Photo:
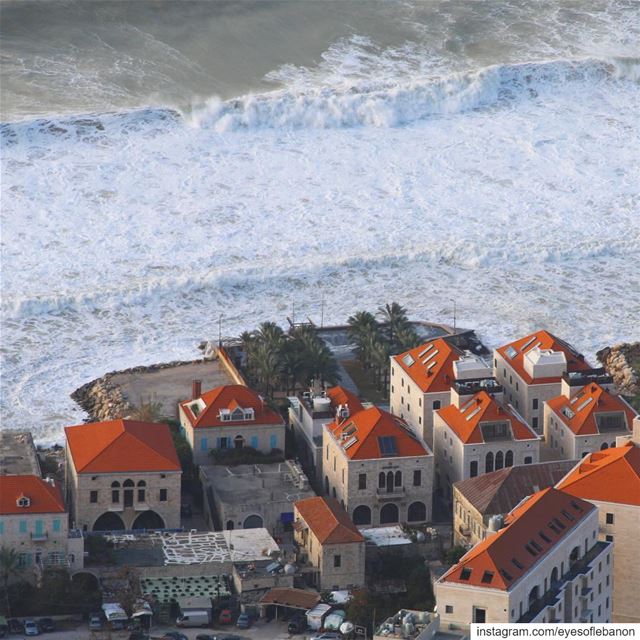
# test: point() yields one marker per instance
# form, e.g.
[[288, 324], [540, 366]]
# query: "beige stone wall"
[[569, 446], [456, 602], [468, 524], [624, 532], [202, 440], [85, 513], [342, 476]]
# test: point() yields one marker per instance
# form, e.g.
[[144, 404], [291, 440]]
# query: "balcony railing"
[[40, 536], [390, 493]]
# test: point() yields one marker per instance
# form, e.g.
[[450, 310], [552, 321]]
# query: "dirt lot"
[[167, 386]]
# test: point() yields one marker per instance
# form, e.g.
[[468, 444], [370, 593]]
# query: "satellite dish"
[[346, 627]]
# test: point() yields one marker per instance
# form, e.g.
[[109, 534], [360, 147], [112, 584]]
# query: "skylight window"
[[465, 574], [350, 442], [349, 429], [516, 563], [430, 346], [531, 550], [487, 577], [511, 352], [558, 523], [475, 412], [433, 354], [408, 359], [567, 413], [576, 506], [567, 515], [544, 536], [506, 575], [553, 527], [527, 343], [23, 502], [431, 365], [387, 446], [584, 404], [535, 545]]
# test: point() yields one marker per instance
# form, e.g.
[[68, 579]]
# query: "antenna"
[[454, 316], [220, 330], [322, 310]]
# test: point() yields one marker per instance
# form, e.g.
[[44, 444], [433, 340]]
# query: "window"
[[417, 478], [487, 577], [337, 561], [473, 469], [488, 465], [23, 526], [535, 403], [254, 442], [534, 422], [362, 481], [141, 495], [398, 479], [1, 528], [381, 480], [448, 608], [327, 452], [436, 404], [528, 459], [163, 495], [203, 444], [465, 574], [93, 497], [607, 581], [609, 518], [273, 441], [609, 538], [115, 496]]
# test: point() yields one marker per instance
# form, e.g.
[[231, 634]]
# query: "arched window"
[[141, 490], [554, 576], [115, 492], [238, 442], [128, 493], [499, 460], [230, 525], [574, 555], [533, 596], [142, 483], [115, 484], [417, 512], [381, 480], [333, 492], [389, 481], [508, 459], [362, 515], [326, 484], [473, 469], [389, 514], [488, 464], [398, 479], [604, 446], [253, 522], [128, 483]]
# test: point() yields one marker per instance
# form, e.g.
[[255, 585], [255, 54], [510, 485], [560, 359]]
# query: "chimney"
[[196, 389]]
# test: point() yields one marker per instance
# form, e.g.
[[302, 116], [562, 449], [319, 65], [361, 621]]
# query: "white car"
[[31, 628]]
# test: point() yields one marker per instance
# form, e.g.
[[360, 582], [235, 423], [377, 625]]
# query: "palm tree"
[[267, 367], [149, 411], [270, 333], [395, 318], [407, 338], [9, 566], [360, 323]]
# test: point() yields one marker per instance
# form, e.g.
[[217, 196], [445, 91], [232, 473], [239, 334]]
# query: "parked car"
[[31, 628], [174, 635], [327, 635], [225, 617], [297, 624], [95, 622], [46, 625], [243, 621]]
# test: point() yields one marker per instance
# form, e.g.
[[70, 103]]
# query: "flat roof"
[[18, 455], [257, 484]]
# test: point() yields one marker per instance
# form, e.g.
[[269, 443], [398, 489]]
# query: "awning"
[[293, 598]]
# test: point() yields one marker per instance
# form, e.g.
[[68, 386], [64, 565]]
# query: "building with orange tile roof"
[[229, 417], [588, 420], [330, 543], [34, 522], [421, 381], [122, 474], [308, 413], [479, 436], [531, 370], [610, 480], [379, 470], [544, 565]]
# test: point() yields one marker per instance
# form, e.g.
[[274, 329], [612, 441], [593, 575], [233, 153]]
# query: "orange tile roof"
[[121, 446], [612, 475], [44, 497], [339, 395], [544, 340], [466, 421], [359, 435], [500, 560], [329, 522], [579, 413], [230, 397], [432, 368]]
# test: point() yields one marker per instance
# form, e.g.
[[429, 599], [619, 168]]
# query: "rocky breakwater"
[[622, 362], [104, 400]]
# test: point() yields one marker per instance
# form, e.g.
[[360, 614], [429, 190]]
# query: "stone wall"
[[623, 363]]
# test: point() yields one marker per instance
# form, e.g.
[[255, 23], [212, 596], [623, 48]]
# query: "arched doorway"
[[230, 525], [362, 515], [252, 522], [417, 512], [148, 520], [128, 493], [109, 521], [238, 442], [389, 514], [508, 459]]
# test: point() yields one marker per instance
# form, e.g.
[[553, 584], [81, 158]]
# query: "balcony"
[[464, 531], [40, 536], [390, 493]]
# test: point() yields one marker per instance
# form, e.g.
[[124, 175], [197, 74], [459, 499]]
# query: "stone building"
[[330, 542], [122, 475], [229, 417], [479, 436], [308, 413], [531, 370], [587, 420], [421, 380], [480, 503], [378, 469], [34, 522], [611, 480], [544, 565]]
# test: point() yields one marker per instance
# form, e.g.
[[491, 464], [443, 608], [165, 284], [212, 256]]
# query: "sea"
[[172, 168]]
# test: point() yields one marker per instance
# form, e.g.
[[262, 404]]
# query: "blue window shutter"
[[23, 526], [218, 443], [1, 527], [56, 525], [273, 441], [39, 527], [203, 444], [254, 442]]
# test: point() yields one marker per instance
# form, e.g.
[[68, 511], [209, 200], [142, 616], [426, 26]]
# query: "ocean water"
[[166, 163]]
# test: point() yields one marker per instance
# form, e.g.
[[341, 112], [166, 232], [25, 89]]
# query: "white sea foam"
[[513, 189]]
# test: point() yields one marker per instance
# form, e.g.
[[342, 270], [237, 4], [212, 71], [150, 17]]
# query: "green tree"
[[9, 567], [148, 411], [453, 555], [394, 317]]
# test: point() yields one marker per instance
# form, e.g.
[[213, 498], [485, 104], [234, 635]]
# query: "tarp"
[[113, 611], [286, 517], [334, 619]]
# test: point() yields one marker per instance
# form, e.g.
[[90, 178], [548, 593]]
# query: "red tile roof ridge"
[[44, 497], [343, 530]]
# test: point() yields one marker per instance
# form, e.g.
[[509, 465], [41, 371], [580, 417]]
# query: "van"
[[194, 619]]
